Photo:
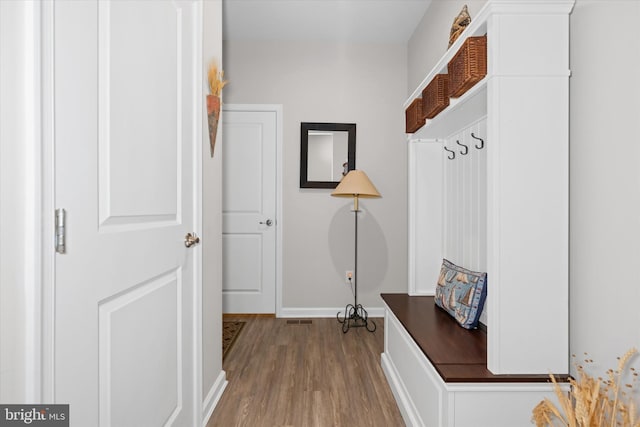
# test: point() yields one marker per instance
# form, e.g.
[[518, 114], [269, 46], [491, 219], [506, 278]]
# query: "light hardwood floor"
[[302, 375]]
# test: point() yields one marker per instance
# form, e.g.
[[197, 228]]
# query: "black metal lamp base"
[[356, 317]]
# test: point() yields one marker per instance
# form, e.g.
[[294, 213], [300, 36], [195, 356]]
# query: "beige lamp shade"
[[356, 184]]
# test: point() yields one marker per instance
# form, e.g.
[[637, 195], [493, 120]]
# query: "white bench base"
[[424, 399]]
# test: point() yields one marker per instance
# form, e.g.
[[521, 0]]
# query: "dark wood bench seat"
[[458, 355]]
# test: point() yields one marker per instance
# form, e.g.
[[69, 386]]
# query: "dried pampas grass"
[[216, 79], [592, 402]]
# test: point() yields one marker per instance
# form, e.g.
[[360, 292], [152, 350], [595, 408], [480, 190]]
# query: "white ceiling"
[[378, 21]]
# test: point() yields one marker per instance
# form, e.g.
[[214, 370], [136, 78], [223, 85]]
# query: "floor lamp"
[[356, 184]]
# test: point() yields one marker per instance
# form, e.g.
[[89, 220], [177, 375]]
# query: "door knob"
[[191, 239], [268, 223]]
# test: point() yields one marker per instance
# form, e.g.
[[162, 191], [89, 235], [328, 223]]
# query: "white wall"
[[431, 38], [605, 180], [323, 82], [212, 374]]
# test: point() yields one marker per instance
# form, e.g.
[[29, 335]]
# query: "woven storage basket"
[[435, 97], [468, 66], [414, 117]]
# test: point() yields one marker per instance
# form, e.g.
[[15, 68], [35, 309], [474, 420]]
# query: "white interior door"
[[249, 211], [127, 81]]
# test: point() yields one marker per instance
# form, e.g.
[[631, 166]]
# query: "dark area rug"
[[230, 332]]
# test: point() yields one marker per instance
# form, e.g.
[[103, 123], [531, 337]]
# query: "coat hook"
[[481, 141], [453, 154], [466, 148]]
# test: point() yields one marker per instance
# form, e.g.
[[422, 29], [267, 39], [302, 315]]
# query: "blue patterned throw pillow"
[[461, 293]]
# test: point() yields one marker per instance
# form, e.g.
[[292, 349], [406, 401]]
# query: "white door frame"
[[48, 206], [44, 185], [277, 109], [24, 166]]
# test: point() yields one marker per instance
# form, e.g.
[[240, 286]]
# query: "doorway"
[[252, 209]]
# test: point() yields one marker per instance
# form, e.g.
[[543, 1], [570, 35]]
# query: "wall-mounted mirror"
[[327, 153]]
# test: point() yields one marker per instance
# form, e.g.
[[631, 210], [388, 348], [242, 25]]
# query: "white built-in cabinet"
[[502, 208]]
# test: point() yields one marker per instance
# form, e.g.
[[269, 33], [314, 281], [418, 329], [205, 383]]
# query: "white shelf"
[[478, 27], [471, 105]]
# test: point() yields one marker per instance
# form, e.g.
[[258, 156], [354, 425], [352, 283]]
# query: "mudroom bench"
[[477, 198], [438, 372]]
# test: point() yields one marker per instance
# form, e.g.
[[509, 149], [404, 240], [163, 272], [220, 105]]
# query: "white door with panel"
[[249, 211], [127, 117]]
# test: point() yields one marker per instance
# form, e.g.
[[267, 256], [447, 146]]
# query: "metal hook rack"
[[479, 139], [453, 153], [466, 148]]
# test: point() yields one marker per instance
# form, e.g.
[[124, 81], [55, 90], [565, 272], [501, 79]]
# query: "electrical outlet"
[[348, 277]]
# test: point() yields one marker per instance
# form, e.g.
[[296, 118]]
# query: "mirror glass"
[[327, 153]]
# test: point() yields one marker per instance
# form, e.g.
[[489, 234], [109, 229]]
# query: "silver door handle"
[[268, 223], [191, 239]]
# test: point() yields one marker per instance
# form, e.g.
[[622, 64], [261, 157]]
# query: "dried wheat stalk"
[[592, 402], [215, 77]]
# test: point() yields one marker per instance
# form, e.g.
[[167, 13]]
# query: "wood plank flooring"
[[302, 375]]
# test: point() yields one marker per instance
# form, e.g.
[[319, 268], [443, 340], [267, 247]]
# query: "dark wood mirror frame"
[[305, 127]]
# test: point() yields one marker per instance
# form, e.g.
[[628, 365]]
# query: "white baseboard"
[[213, 396], [397, 388], [325, 312]]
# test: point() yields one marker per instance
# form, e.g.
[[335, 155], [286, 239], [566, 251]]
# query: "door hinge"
[[61, 231]]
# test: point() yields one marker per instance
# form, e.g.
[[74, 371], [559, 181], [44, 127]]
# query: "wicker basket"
[[468, 66], [414, 117], [435, 97]]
